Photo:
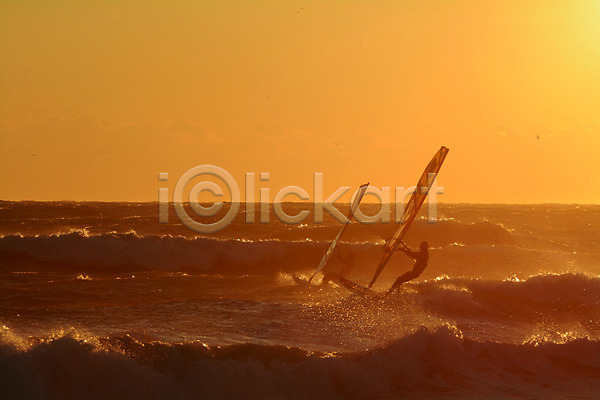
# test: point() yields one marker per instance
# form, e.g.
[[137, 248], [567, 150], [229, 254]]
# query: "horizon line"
[[294, 202]]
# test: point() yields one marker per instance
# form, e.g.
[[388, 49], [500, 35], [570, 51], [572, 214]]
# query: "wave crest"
[[426, 363]]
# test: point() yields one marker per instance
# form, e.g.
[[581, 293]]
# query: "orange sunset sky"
[[98, 97]]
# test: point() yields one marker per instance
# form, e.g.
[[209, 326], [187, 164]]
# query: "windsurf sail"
[[412, 209], [359, 195]]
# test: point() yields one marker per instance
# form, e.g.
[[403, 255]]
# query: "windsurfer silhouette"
[[420, 257], [334, 275]]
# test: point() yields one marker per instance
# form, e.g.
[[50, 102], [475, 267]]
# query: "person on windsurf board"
[[421, 257], [395, 242], [331, 249], [334, 276]]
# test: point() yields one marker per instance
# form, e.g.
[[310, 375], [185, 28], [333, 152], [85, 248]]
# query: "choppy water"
[[99, 300]]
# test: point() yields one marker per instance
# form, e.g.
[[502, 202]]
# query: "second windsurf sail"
[[359, 195]]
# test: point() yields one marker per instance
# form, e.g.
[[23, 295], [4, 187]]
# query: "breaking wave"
[[425, 364], [115, 252]]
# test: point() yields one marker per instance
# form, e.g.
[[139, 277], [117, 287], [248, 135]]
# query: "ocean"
[[100, 300]]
